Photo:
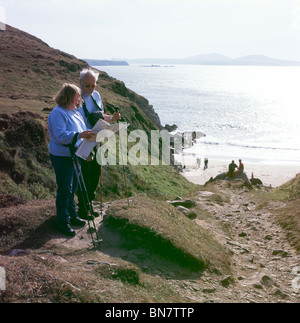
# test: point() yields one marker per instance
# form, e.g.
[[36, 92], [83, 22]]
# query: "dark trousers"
[[67, 183], [91, 174]]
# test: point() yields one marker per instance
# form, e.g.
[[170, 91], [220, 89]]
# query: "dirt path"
[[266, 268]]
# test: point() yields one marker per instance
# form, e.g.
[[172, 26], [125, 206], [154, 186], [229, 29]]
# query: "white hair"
[[88, 71]]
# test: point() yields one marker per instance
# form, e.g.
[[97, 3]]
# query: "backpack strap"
[[72, 145], [96, 103], [85, 110]]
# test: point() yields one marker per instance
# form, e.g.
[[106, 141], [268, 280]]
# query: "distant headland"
[[203, 59], [218, 59], [104, 62]]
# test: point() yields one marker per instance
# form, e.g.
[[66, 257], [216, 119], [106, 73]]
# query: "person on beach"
[[66, 127], [240, 168], [205, 164], [231, 168], [92, 105], [198, 162]]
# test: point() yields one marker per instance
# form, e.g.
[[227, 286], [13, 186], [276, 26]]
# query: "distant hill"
[[103, 62], [263, 60], [217, 59], [209, 58]]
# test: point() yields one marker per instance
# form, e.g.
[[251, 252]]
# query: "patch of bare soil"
[[22, 222]]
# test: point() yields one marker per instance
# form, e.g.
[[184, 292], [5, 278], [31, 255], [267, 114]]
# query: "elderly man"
[[92, 103]]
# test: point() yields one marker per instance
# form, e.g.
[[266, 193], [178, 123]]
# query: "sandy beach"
[[270, 174]]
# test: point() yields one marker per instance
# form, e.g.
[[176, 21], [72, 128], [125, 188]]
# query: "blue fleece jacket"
[[63, 124]]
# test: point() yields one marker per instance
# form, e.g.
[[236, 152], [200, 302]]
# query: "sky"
[[127, 29]]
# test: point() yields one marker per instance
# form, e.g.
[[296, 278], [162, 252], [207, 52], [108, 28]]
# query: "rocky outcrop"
[[238, 178], [256, 181], [184, 203], [170, 128]]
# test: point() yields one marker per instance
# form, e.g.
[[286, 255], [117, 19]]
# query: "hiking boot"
[[67, 230], [77, 222], [84, 216]]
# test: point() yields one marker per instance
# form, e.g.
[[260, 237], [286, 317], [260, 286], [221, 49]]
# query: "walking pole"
[[101, 182], [89, 208], [124, 168], [101, 191], [87, 204], [125, 181]]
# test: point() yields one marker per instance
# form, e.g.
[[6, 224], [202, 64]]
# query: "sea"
[[246, 112]]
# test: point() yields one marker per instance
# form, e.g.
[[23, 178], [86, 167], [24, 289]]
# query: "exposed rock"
[[208, 290], [259, 281], [178, 198], [279, 293], [170, 128], [256, 181], [227, 281], [183, 209], [280, 252], [185, 203], [238, 181], [268, 237], [267, 281]]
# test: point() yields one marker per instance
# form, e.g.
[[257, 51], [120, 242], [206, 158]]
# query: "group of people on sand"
[[232, 166], [69, 124]]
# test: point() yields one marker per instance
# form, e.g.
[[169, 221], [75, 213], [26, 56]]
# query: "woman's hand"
[[88, 135]]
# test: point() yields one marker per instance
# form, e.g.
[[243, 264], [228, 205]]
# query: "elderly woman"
[[66, 127]]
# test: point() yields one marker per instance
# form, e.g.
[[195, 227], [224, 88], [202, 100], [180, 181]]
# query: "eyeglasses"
[[90, 85]]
